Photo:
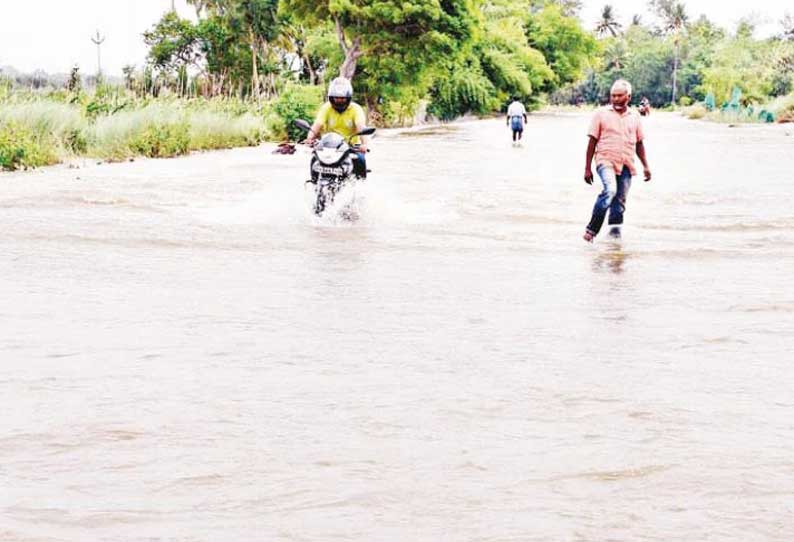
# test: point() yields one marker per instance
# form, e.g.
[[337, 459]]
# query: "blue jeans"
[[612, 198], [360, 164], [517, 125]]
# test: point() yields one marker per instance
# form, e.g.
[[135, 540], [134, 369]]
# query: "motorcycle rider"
[[342, 115]]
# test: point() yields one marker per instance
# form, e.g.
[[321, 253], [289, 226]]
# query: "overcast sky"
[[53, 35]]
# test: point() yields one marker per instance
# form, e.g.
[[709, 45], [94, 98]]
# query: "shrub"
[[162, 140], [297, 102], [276, 128], [20, 148], [696, 112]]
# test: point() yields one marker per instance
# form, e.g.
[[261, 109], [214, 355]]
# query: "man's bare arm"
[[640, 148], [588, 171]]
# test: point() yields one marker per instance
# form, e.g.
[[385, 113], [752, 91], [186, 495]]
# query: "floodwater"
[[186, 354]]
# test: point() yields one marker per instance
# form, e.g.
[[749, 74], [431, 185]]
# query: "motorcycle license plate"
[[330, 170]]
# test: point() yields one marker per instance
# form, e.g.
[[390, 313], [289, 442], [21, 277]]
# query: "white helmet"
[[340, 94]]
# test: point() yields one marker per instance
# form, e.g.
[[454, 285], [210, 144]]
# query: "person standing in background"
[[516, 118]]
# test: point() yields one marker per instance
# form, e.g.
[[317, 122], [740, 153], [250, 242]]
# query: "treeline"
[[455, 56], [675, 59], [460, 56]]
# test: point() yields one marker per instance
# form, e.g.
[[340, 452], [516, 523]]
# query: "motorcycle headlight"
[[329, 156]]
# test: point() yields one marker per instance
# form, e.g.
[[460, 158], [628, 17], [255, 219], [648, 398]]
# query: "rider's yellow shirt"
[[346, 124]]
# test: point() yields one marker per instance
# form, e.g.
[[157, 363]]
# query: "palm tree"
[[616, 55], [674, 21], [607, 23]]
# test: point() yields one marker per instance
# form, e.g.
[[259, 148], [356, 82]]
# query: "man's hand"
[[311, 137], [588, 175], [362, 148], [647, 174]]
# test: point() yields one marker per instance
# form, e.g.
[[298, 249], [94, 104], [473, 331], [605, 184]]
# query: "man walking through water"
[[516, 118], [615, 136]]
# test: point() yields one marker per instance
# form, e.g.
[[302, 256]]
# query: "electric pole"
[[98, 40]]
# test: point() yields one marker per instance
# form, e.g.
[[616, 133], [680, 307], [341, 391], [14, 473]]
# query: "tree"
[[391, 47], [607, 23], [129, 76], [260, 23], [75, 82], [569, 8], [390, 27], [566, 46], [674, 20], [173, 42]]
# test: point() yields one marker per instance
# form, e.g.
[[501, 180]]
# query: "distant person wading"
[[516, 118]]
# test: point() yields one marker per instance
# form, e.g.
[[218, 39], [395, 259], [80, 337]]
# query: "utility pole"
[[173, 6], [98, 40]]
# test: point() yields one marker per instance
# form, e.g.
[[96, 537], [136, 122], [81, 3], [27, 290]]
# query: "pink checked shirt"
[[617, 136]]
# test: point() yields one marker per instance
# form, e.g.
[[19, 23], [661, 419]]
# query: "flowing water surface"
[[186, 354]]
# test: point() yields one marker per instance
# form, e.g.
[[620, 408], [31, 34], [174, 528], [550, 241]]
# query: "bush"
[[696, 112], [20, 148], [162, 140], [685, 101], [396, 113], [276, 128], [297, 102]]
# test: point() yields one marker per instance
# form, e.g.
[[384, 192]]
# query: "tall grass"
[[35, 133], [210, 130], [39, 133], [155, 131]]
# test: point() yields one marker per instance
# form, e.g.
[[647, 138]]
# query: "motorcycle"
[[331, 165]]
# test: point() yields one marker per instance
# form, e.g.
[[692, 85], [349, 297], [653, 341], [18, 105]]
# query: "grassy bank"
[[38, 130]]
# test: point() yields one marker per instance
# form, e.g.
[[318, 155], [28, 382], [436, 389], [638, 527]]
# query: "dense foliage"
[[460, 55]]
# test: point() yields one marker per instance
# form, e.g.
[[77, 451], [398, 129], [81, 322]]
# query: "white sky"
[[53, 35]]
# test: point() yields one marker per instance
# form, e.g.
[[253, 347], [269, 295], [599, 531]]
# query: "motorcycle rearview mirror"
[[366, 132], [302, 124]]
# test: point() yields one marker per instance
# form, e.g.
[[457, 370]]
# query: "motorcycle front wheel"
[[324, 197]]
